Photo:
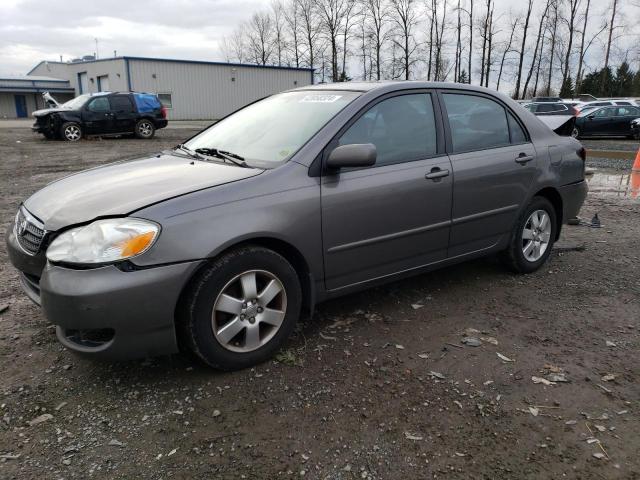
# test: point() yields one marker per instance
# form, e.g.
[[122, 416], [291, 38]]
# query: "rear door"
[[124, 115], [395, 215], [493, 162], [622, 120], [97, 117]]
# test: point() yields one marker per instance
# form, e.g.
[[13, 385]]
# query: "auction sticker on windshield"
[[320, 98]]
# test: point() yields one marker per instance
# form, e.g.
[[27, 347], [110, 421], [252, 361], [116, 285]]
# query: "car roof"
[[392, 85]]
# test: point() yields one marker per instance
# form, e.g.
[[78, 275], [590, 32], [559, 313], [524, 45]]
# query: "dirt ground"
[[378, 385]]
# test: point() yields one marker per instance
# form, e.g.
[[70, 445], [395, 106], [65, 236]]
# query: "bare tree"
[[278, 22], [484, 29], [470, 37], [235, 47], [349, 16], [260, 39], [611, 27], [571, 24], [458, 58], [405, 18], [292, 18], [378, 13], [331, 14], [439, 67], [540, 36], [522, 49], [310, 30], [552, 50], [507, 49], [582, 37]]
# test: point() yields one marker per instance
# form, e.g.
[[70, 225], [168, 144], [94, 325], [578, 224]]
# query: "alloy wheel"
[[536, 235], [249, 311], [145, 129], [72, 133]]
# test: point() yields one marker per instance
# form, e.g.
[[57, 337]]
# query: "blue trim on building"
[[173, 60], [37, 89], [128, 70], [80, 92]]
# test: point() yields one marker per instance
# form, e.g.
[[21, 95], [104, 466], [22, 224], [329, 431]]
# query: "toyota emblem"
[[22, 227]]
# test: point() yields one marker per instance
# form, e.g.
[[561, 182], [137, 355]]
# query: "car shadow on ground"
[[383, 301]]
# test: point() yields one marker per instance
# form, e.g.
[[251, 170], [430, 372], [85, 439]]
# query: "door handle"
[[436, 174], [523, 158]]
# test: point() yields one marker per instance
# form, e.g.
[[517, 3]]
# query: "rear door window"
[[402, 128], [476, 122], [121, 103], [517, 133]]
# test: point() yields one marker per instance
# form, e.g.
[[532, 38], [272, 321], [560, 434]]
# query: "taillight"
[[582, 153], [163, 111]]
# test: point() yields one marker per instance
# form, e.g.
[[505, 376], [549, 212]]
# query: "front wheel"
[[145, 129], [575, 133], [71, 131], [240, 310], [532, 238]]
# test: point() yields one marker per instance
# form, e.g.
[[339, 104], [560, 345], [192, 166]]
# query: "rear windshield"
[[270, 131]]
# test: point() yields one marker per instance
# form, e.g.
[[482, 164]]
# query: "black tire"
[[514, 256], [145, 129], [195, 318], [71, 131], [576, 133]]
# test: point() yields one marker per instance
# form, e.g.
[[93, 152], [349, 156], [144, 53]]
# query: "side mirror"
[[352, 156]]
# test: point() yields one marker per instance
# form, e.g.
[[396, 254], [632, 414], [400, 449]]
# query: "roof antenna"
[[96, 48], [115, 53]]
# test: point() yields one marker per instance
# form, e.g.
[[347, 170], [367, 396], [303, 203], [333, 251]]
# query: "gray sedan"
[[223, 243]]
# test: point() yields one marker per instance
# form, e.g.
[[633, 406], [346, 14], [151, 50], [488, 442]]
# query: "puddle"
[[624, 185]]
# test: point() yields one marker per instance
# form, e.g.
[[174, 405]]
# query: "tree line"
[[537, 47]]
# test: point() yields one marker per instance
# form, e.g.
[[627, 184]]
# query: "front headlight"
[[104, 241]]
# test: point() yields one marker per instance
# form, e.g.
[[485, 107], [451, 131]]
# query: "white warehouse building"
[[190, 90]]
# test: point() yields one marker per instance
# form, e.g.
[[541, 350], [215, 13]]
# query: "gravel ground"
[[378, 385]]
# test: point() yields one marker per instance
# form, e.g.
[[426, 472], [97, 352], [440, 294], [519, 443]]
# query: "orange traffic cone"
[[636, 163], [635, 183]]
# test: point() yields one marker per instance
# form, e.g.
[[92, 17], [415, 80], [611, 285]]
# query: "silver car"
[[223, 243]]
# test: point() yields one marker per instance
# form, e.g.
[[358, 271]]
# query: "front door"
[[21, 106], [599, 122], [394, 216], [97, 116], [493, 162]]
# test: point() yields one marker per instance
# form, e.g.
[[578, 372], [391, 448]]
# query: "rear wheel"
[[145, 129], [533, 237], [241, 309], [71, 131]]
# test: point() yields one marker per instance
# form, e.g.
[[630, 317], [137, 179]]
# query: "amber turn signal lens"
[[137, 244]]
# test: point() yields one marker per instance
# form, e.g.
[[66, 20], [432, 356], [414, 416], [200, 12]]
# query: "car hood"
[[47, 111], [123, 187]]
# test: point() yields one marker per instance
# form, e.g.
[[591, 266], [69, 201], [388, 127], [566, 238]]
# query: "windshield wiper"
[[228, 156], [189, 152]]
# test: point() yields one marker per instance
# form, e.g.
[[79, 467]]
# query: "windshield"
[[270, 131], [76, 102]]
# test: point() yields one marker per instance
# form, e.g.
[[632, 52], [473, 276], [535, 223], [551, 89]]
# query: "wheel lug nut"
[[242, 317], [252, 319], [260, 309]]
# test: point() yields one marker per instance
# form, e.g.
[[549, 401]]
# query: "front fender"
[[281, 204]]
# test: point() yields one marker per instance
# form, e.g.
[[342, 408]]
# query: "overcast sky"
[[35, 30]]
